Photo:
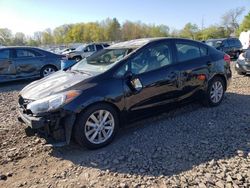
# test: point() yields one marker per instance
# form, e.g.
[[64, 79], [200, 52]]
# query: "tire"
[[47, 70], [85, 127], [240, 73], [78, 58], [213, 96]]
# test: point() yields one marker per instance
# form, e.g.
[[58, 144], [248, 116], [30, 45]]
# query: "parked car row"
[[27, 62], [126, 81]]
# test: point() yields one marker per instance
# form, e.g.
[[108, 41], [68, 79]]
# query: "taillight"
[[227, 58]]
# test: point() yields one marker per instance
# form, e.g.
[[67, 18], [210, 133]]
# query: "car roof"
[[17, 47], [136, 43]]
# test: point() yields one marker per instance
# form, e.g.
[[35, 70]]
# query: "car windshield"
[[81, 47], [214, 43], [101, 61]]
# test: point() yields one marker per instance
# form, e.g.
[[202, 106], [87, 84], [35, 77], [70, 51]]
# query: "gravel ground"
[[191, 146]]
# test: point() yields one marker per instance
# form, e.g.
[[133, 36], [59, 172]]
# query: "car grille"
[[23, 104]]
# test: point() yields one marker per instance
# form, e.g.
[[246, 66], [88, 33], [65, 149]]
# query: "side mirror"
[[133, 82]]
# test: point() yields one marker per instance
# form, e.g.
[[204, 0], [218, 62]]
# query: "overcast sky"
[[29, 16]]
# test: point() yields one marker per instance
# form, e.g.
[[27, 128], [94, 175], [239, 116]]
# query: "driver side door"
[[151, 80]]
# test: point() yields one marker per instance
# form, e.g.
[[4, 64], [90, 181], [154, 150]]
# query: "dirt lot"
[[192, 146]]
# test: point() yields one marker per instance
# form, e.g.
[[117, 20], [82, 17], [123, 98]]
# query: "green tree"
[[47, 37], [230, 20], [245, 25], [19, 39], [5, 36], [189, 31]]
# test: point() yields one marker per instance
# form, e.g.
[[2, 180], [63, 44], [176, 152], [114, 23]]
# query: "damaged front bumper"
[[57, 125]]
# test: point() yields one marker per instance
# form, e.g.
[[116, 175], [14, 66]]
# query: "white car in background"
[[84, 51]]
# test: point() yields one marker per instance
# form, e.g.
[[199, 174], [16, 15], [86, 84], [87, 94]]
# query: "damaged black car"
[[92, 99]]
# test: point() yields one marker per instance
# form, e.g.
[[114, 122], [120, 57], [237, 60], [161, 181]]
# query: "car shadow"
[[172, 142]]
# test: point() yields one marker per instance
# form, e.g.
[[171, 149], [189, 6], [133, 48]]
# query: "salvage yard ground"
[[191, 146]]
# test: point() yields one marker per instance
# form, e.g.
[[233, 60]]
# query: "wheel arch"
[[220, 76], [87, 106]]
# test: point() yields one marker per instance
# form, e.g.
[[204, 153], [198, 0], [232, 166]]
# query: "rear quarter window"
[[187, 51], [203, 50]]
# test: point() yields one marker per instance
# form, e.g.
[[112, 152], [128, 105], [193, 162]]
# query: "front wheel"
[[215, 92], [96, 127]]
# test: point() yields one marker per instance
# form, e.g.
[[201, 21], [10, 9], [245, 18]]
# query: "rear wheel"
[[47, 70], [96, 127], [215, 92]]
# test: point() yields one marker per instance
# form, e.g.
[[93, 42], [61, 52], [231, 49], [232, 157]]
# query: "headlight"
[[52, 102]]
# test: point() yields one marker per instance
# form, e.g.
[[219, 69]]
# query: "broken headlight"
[[52, 102]]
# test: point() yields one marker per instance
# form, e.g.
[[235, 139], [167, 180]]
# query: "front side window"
[[186, 51], [4, 54], [151, 58], [20, 53]]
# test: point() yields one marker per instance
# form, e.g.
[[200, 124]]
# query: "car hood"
[[55, 83]]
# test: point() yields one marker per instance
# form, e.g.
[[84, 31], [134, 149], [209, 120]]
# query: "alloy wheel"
[[47, 71], [216, 92], [99, 126]]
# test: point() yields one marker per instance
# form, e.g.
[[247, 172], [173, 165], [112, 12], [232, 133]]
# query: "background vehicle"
[[245, 39], [231, 46], [242, 65], [96, 96], [26, 62], [66, 51], [85, 51]]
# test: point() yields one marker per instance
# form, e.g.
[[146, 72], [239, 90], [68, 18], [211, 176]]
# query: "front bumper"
[[33, 122], [58, 125]]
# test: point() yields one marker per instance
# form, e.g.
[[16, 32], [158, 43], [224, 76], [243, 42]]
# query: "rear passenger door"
[[7, 65], [193, 66], [28, 62]]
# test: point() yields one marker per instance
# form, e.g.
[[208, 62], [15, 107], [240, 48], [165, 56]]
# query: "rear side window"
[[203, 51], [187, 51], [20, 53], [4, 54], [231, 42], [225, 43], [237, 42]]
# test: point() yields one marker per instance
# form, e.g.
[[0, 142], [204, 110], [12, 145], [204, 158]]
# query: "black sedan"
[[26, 62], [242, 65], [98, 95]]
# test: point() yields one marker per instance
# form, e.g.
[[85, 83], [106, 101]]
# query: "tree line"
[[113, 30]]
